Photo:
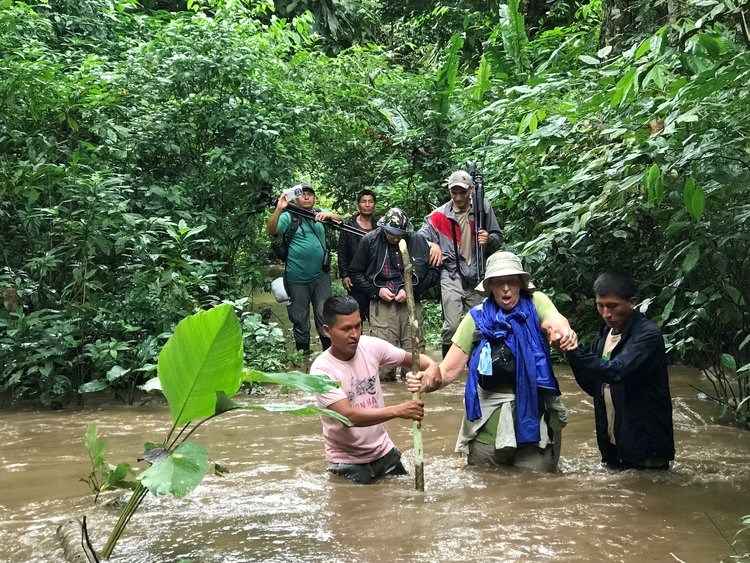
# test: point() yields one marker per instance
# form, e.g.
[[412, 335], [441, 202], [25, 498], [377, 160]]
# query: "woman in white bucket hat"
[[513, 413]]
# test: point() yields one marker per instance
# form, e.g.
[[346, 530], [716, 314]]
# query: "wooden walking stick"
[[414, 326]]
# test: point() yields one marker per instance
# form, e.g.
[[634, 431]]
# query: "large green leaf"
[[728, 361], [691, 257], [96, 446], [224, 404], [483, 84], [626, 84], [152, 385], [296, 410], [695, 198], [93, 386], [513, 32], [116, 477], [654, 181], [310, 383], [203, 356], [445, 82], [178, 473], [657, 75], [668, 309]]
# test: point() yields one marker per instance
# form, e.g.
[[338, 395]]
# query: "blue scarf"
[[522, 332]]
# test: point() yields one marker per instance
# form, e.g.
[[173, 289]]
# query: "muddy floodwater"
[[278, 504]]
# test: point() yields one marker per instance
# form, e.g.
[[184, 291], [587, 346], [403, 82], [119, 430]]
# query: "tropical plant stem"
[[193, 429], [127, 513]]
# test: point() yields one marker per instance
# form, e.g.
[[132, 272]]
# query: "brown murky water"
[[278, 504]]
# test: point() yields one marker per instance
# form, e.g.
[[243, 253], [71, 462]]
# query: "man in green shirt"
[[306, 277]]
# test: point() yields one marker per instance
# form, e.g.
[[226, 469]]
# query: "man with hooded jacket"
[[377, 270]]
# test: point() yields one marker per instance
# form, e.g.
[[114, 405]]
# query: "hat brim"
[[459, 185], [525, 276], [395, 231]]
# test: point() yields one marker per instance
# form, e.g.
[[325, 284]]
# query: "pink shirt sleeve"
[[371, 355], [390, 355], [322, 367]]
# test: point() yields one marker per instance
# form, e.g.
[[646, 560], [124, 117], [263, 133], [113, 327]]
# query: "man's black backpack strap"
[[280, 244]]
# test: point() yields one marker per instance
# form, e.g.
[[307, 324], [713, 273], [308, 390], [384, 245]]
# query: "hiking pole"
[[478, 198], [414, 326], [310, 214]]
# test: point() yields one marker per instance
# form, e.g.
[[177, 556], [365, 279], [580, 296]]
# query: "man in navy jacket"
[[625, 372]]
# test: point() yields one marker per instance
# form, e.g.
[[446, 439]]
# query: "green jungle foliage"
[[200, 369], [142, 144]]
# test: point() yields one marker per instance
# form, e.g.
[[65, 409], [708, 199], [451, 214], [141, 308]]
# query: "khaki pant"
[[456, 303], [390, 322]]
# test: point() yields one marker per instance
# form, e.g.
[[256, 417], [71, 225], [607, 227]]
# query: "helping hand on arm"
[[559, 332], [435, 256], [433, 378]]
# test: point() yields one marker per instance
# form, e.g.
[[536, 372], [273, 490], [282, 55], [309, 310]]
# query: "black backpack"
[[280, 244]]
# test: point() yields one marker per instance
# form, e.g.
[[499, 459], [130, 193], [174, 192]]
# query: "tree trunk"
[[75, 541], [626, 19], [618, 20]]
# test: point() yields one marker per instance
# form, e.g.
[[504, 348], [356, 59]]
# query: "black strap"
[[455, 249], [322, 244], [294, 225]]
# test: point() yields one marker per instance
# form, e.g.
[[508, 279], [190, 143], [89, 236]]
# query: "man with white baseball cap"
[[450, 232]]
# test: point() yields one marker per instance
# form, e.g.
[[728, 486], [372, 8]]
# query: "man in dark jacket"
[[377, 270], [625, 372], [365, 221]]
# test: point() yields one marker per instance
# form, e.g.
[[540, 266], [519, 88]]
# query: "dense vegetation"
[[142, 144]]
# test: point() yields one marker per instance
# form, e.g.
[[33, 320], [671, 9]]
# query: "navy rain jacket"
[[637, 375]]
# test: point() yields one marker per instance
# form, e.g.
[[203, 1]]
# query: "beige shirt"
[[609, 345], [465, 227]]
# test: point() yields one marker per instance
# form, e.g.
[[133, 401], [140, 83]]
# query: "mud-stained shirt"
[[360, 384]]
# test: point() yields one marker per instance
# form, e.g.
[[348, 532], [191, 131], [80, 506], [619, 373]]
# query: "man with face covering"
[[378, 271]]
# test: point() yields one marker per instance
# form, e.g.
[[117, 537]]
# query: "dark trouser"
[[613, 461], [301, 296], [366, 473], [363, 300]]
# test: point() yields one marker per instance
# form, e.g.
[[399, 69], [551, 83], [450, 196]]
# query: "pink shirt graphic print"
[[360, 384]]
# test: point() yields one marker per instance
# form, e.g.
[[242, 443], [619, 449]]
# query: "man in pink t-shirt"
[[363, 452]]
